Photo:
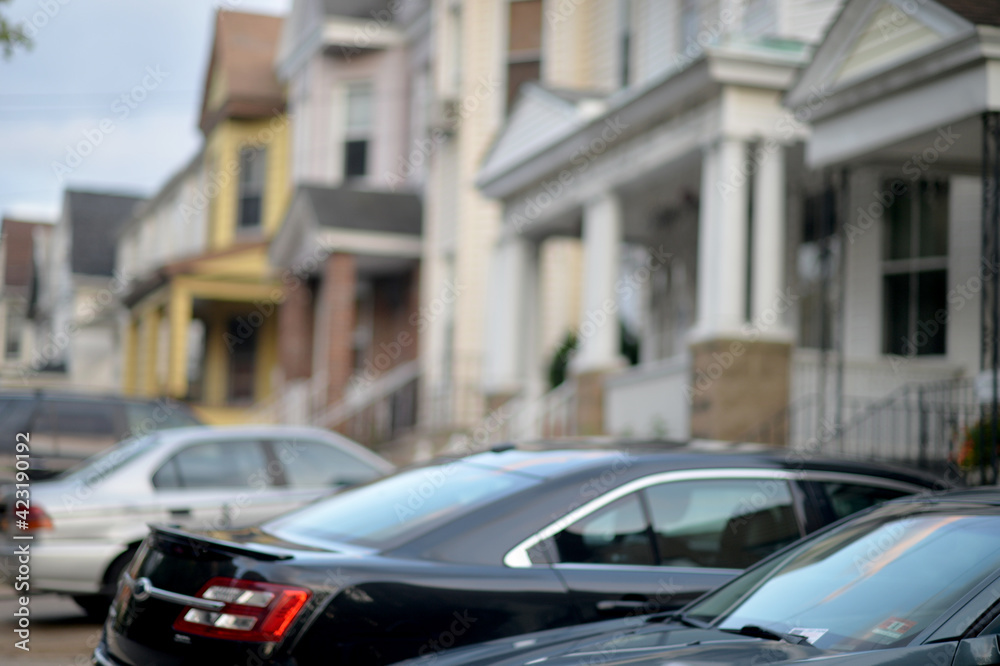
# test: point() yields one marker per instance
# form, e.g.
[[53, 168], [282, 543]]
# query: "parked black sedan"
[[463, 551], [916, 581]]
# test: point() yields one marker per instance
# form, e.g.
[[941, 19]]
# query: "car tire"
[[96, 605]]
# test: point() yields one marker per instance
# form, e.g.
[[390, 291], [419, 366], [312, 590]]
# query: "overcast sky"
[[64, 97]]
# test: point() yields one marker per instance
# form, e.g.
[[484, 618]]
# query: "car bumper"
[[102, 658], [71, 566]]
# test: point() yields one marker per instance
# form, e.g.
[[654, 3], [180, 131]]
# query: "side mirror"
[[982, 651]]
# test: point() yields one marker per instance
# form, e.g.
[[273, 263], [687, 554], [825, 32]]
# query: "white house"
[[75, 307], [805, 183]]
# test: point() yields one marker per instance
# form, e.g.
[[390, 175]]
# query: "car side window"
[[848, 498], [721, 523], [144, 417], [615, 534], [317, 465], [231, 464], [76, 417]]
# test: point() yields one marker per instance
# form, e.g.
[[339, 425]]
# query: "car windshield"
[[99, 466], [872, 584], [373, 515]]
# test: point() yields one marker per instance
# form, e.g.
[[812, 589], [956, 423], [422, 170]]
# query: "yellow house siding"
[[222, 160]]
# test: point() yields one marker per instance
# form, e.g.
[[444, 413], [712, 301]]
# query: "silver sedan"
[[87, 523]]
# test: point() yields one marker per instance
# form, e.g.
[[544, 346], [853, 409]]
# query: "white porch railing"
[[371, 412], [525, 418]]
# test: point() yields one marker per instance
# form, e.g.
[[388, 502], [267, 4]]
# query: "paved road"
[[60, 634]]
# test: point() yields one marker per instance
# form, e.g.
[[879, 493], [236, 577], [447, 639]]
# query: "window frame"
[[171, 460], [14, 323], [519, 556], [250, 188], [913, 266], [642, 504], [271, 446], [519, 57], [689, 24], [362, 134]]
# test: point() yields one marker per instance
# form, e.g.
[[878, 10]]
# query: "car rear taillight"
[[253, 611], [25, 520], [38, 519]]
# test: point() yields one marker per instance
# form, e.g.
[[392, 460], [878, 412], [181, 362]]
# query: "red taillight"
[[253, 611], [38, 519]]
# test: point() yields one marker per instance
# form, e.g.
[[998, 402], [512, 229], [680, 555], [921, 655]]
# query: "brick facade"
[[295, 331], [337, 308]]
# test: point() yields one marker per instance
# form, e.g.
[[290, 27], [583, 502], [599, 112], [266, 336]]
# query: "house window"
[[915, 269], [252, 171], [759, 18], [689, 23], [524, 46], [456, 44], [816, 263], [357, 137], [242, 340], [12, 335], [625, 28]]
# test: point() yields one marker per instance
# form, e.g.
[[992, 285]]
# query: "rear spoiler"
[[257, 551]]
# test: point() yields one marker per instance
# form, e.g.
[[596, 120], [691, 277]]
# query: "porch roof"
[[324, 219], [522, 154], [889, 71], [242, 264]]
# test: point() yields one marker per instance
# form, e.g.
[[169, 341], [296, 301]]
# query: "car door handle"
[[180, 513], [612, 605]]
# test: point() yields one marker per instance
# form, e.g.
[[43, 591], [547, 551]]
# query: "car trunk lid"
[[173, 573]]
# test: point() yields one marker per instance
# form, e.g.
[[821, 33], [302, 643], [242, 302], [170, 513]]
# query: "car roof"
[[538, 460], [252, 430], [60, 394], [984, 496]]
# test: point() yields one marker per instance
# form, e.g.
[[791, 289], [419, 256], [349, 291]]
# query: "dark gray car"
[[915, 581]]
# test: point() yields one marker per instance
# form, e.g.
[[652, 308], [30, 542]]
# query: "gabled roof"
[[540, 117], [871, 37], [240, 81], [371, 223], [334, 25], [94, 220]]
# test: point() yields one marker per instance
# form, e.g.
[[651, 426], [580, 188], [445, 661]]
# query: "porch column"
[[265, 359], [599, 337], [511, 326], [295, 331], [722, 240], [216, 359], [739, 381], [130, 368], [768, 283], [151, 338], [179, 315]]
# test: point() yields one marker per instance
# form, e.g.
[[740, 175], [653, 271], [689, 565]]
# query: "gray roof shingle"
[[354, 8], [344, 208], [95, 219]]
